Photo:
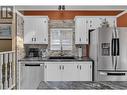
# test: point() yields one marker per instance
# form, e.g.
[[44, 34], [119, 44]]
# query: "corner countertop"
[[55, 60]]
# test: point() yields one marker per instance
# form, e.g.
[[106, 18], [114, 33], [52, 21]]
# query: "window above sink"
[[61, 39]]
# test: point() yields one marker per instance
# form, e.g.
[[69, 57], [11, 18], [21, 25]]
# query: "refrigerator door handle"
[[113, 47], [112, 52], [118, 46], [117, 51]]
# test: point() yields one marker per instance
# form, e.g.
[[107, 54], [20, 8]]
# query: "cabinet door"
[[85, 72], [52, 71], [41, 33], [111, 21], [81, 31], [76, 71], [44, 31], [68, 71], [29, 30], [94, 22], [84, 34], [78, 22], [39, 30]]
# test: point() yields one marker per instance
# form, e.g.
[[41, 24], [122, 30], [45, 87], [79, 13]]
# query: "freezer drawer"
[[31, 75], [112, 76]]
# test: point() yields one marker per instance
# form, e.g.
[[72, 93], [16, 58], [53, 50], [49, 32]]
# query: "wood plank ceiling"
[[69, 14]]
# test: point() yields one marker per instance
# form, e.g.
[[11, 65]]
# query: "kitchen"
[[70, 47]]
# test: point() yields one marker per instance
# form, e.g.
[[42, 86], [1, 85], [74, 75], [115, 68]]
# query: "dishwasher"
[[31, 74]]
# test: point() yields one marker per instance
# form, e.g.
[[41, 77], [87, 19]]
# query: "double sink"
[[61, 58]]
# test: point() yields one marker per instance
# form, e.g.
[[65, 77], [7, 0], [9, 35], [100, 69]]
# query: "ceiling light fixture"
[[61, 7]]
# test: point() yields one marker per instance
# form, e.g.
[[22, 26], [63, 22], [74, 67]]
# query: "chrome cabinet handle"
[[63, 68], [77, 66], [45, 66], [80, 39], [60, 67], [80, 67], [32, 39], [45, 21]]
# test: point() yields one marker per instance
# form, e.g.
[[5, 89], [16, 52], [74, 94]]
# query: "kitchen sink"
[[61, 57]]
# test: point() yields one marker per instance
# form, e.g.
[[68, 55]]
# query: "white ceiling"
[[72, 7]]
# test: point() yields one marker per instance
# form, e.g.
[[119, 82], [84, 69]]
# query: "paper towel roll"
[[80, 52]]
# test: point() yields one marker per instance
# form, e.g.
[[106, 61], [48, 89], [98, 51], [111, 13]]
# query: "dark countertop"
[[84, 85], [55, 60]]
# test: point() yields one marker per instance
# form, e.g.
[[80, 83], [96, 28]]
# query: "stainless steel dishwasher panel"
[[31, 74]]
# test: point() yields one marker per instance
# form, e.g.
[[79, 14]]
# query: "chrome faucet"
[[61, 50]]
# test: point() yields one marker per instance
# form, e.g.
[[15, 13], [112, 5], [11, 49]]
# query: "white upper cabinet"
[[111, 21], [96, 21], [81, 30], [35, 30], [85, 23], [93, 22]]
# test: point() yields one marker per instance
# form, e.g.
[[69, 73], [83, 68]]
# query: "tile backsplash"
[[20, 51], [61, 24]]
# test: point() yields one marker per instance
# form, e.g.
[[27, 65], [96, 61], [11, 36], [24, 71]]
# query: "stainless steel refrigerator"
[[108, 49]]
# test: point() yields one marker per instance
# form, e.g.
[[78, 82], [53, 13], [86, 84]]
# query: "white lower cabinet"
[[58, 71], [84, 71], [52, 71], [68, 71]]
